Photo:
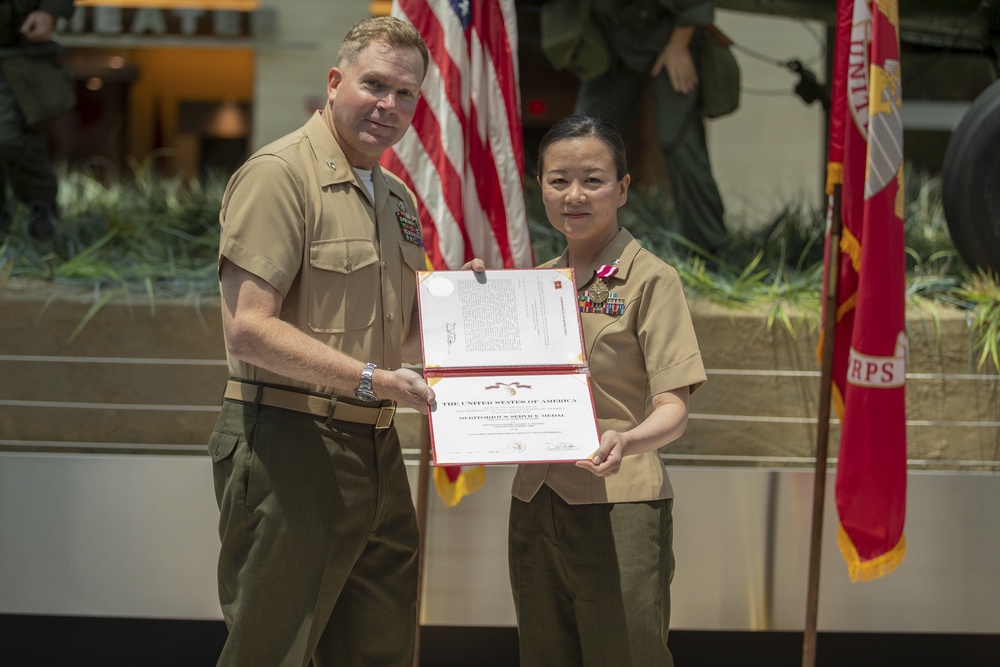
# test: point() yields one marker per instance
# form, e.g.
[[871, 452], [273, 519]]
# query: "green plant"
[[981, 292], [146, 232], [154, 235], [6, 264]]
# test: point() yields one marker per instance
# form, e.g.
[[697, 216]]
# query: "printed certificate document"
[[504, 353]]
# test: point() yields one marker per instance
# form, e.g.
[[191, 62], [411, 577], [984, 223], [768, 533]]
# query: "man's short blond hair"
[[384, 29]]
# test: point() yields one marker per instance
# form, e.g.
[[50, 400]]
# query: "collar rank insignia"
[[408, 225]]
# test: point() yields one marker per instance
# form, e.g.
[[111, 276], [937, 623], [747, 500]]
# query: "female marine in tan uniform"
[[590, 544]]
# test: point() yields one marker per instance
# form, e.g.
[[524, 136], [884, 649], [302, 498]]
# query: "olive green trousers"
[[24, 158], [591, 583], [319, 541]]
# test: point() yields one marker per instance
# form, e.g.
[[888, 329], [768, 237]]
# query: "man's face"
[[371, 101]]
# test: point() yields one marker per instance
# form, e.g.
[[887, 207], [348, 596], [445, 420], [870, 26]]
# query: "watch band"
[[364, 390]]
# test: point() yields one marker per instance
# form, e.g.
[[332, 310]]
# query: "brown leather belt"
[[380, 416]]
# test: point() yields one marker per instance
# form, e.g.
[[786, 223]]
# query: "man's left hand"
[[405, 387]]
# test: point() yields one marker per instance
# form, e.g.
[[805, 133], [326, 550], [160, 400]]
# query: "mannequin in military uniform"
[[655, 43], [25, 33]]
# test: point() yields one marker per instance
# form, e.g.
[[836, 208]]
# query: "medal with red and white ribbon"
[[599, 290]]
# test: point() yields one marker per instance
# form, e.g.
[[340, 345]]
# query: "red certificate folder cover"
[[504, 352]]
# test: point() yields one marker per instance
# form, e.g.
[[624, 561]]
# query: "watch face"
[[366, 396]]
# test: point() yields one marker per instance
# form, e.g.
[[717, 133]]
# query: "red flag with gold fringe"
[[870, 347]]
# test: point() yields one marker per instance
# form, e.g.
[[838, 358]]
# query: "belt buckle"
[[385, 415]]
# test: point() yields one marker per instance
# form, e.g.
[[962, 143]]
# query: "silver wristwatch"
[[364, 390]]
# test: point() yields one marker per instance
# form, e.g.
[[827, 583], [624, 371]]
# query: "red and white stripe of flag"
[[464, 155]]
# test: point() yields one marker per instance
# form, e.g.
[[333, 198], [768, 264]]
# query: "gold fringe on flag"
[[834, 176], [851, 246], [469, 481], [819, 347], [847, 306], [874, 568], [838, 401]]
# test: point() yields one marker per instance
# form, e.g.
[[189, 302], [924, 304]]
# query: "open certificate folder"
[[504, 353]]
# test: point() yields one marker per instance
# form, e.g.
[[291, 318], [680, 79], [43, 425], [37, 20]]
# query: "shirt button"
[[347, 266], [384, 265], [389, 317]]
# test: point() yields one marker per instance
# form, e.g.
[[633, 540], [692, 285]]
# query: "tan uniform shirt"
[[648, 349], [297, 216]]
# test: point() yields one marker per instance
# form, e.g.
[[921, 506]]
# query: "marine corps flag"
[[870, 344]]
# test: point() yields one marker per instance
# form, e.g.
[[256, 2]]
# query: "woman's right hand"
[[607, 460]]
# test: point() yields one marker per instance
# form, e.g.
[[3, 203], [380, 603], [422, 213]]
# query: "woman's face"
[[581, 191]]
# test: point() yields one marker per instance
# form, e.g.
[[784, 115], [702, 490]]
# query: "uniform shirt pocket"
[[342, 270]]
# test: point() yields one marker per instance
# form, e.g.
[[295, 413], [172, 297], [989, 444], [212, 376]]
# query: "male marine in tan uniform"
[[316, 264]]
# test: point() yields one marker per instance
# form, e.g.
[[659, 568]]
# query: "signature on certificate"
[[451, 333]]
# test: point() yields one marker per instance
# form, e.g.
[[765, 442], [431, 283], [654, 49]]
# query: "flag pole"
[[822, 432], [423, 483]]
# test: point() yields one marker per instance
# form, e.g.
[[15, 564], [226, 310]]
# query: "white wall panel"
[[771, 151], [135, 536]]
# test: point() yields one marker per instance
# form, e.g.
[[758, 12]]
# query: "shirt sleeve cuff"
[[688, 372]]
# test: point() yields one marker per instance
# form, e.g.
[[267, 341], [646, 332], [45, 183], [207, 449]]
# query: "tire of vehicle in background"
[[970, 182]]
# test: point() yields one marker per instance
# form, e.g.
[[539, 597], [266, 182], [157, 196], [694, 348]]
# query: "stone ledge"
[[759, 405]]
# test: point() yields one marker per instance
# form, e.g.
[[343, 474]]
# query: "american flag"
[[464, 156]]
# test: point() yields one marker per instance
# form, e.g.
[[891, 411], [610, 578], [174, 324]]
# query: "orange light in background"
[[379, 7], [229, 121], [536, 106]]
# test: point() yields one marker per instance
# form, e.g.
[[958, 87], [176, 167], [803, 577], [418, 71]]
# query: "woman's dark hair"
[[582, 126]]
